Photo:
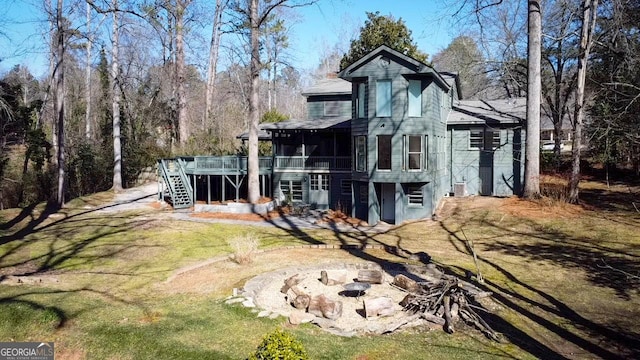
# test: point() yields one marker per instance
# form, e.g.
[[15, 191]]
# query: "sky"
[[317, 27], [334, 21]]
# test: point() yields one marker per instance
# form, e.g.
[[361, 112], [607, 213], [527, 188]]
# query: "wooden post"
[[224, 193], [237, 186], [195, 189]]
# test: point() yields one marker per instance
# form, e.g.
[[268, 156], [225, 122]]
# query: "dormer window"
[[383, 98]]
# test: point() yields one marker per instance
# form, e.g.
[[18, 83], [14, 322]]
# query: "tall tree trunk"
[[60, 105], [51, 87], [532, 146], [213, 62], [588, 23], [115, 74], [275, 78], [254, 116], [183, 133], [87, 78]]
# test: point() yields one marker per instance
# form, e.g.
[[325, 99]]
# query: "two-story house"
[[388, 139]]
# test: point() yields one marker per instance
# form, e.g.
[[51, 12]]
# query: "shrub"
[[244, 247], [279, 345]]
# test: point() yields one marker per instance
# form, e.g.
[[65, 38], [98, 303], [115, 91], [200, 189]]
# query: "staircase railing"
[[174, 176]]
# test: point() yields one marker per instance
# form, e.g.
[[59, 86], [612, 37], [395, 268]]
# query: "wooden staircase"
[[177, 185]]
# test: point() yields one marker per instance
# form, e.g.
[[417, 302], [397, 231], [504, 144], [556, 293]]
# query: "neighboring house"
[[386, 141]]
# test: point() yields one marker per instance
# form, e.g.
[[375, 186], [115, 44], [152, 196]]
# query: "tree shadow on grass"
[[617, 342], [611, 200], [357, 240]]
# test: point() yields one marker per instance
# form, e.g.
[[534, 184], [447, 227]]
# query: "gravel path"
[[137, 198]]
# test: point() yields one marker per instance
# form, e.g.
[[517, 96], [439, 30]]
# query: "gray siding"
[[506, 162], [316, 105], [431, 125]]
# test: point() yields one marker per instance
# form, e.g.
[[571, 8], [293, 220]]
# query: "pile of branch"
[[443, 300]]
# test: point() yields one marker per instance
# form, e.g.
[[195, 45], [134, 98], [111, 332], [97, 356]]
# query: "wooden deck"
[[237, 165]]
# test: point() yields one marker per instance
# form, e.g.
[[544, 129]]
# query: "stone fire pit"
[[337, 284]]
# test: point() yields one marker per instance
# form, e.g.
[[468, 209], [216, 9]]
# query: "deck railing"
[[238, 164], [223, 164], [313, 162]]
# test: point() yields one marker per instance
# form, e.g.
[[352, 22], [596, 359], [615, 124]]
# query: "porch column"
[[195, 189], [208, 189]]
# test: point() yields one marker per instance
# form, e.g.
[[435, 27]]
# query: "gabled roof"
[[410, 63], [476, 112], [329, 86], [262, 135], [453, 79], [316, 124]]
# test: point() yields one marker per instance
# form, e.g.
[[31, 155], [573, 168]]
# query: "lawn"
[[565, 281]]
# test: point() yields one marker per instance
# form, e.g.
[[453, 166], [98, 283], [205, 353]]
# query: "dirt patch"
[[322, 217], [222, 276], [540, 209], [229, 216]]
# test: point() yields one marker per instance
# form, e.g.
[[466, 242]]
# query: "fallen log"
[[448, 322], [433, 318], [406, 284], [324, 307], [370, 276], [381, 306]]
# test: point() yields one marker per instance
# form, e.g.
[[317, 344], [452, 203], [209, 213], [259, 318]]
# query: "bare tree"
[[183, 131], [532, 147], [255, 16], [59, 104], [589, 15], [87, 79], [214, 51], [463, 56], [559, 54], [115, 75]]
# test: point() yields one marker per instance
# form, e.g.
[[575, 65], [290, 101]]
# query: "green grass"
[[101, 292]]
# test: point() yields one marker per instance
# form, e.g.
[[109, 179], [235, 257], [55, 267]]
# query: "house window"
[[360, 155], [414, 152], [332, 108], [384, 152], [345, 187], [426, 152], [292, 190], [440, 152], [415, 98], [360, 101], [414, 194], [476, 138], [383, 98], [495, 139], [319, 182]]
